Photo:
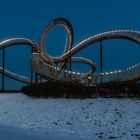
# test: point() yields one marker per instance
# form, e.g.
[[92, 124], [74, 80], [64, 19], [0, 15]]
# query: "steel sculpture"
[[53, 68]]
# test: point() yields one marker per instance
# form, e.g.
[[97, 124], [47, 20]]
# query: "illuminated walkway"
[[54, 68]]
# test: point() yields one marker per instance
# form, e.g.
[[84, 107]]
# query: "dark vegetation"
[[65, 89], [58, 89], [10, 91]]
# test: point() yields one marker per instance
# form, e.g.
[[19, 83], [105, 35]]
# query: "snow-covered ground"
[[99, 118]]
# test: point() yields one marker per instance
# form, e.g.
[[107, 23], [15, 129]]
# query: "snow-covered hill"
[[99, 118]]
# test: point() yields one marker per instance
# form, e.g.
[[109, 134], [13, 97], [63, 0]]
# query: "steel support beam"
[[40, 79], [101, 59], [3, 68], [31, 68], [36, 78], [70, 66], [64, 71]]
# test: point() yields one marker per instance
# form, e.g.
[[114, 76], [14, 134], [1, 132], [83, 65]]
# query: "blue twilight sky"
[[29, 17]]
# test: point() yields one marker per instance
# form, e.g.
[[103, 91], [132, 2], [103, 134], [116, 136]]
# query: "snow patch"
[[98, 118]]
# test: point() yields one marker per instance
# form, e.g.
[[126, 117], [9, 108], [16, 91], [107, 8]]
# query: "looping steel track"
[[53, 68]]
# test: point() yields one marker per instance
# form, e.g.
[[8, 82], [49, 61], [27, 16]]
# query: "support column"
[[36, 78], [70, 67], [3, 68], [101, 59], [40, 79], [64, 71], [31, 69]]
